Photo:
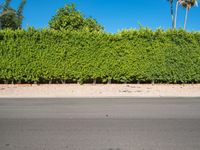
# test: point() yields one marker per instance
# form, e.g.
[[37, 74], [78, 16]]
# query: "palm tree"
[[176, 13], [188, 4], [172, 11]]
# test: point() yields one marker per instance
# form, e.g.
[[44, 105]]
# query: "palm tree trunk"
[[186, 16], [176, 13], [172, 14]]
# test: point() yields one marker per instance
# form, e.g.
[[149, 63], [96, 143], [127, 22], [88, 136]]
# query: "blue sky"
[[114, 15]]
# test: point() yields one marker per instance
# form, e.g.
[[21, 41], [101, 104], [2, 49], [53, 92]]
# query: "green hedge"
[[125, 57]]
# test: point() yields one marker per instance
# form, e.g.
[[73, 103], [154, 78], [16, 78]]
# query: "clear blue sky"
[[114, 15]]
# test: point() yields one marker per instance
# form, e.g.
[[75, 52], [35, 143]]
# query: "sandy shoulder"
[[88, 90]]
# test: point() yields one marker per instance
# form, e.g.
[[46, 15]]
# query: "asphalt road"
[[100, 124]]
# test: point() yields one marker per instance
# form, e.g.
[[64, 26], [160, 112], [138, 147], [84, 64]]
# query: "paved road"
[[100, 124]]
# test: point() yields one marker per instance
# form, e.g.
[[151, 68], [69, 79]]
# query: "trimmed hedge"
[[126, 57]]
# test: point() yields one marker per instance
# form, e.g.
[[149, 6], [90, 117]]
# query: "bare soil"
[[100, 90]]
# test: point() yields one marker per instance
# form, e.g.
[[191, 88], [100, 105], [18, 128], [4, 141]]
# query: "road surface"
[[100, 124]]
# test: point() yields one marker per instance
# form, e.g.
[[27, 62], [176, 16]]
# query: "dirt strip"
[[100, 90]]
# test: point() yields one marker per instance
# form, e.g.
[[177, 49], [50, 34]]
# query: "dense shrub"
[[80, 56], [69, 18]]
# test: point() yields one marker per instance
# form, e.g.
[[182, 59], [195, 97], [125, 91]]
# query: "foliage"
[[11, 18], [80, 56], [69, 18]]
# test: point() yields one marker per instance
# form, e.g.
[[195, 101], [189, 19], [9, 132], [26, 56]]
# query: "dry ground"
[[101, 90]]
